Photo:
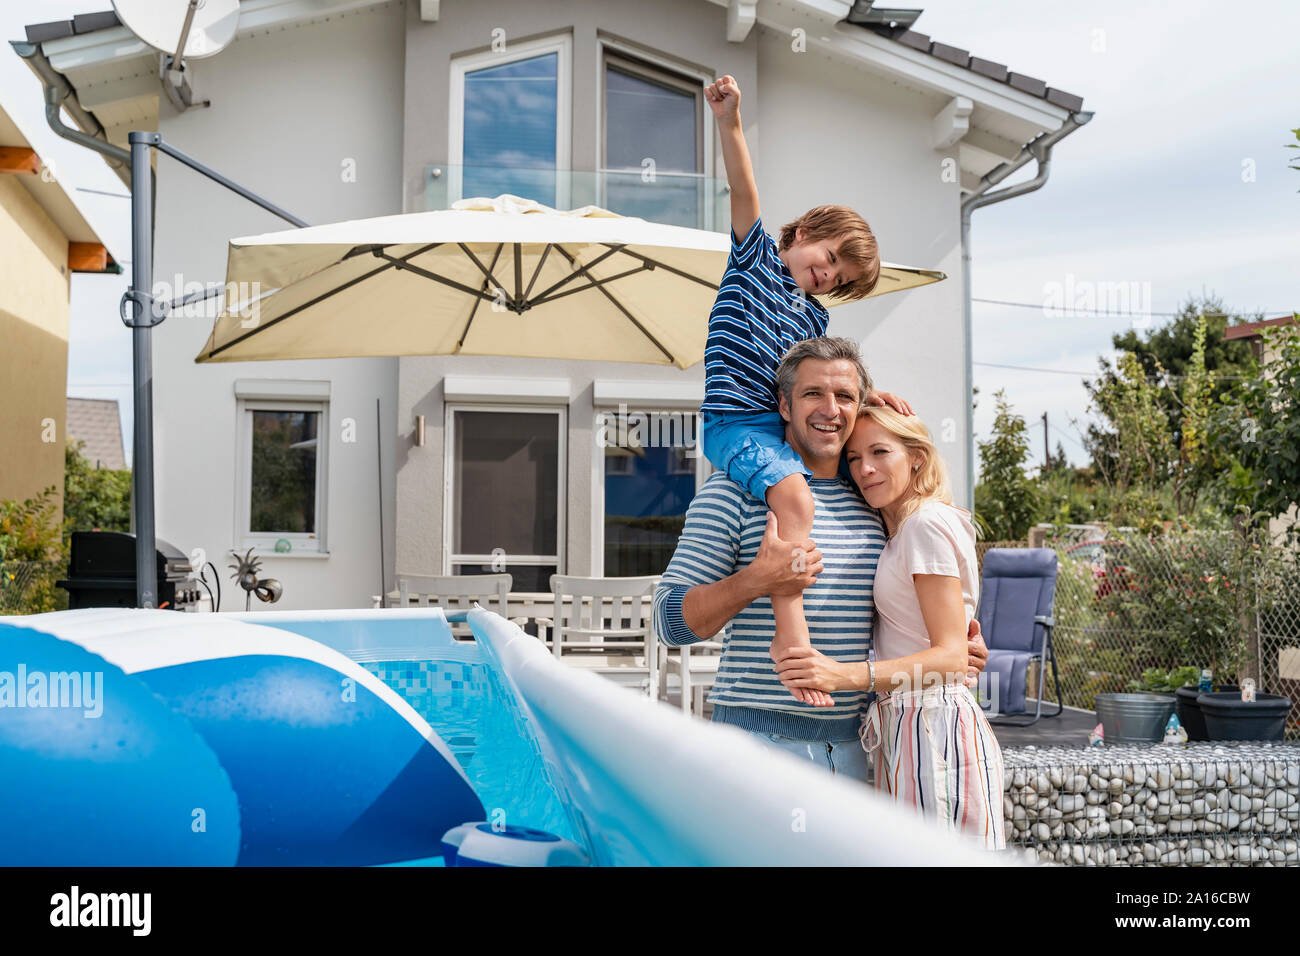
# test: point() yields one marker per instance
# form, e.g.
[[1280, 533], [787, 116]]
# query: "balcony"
[[678, 199]]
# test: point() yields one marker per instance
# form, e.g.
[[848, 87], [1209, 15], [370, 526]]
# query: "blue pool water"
[[465, 704]]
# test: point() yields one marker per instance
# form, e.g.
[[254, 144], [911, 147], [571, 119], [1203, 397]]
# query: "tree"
[[1254, 434], [1057, 461], [1156, 469], [1006, 498], [94, 499], [1165, 355], [1136, 448]]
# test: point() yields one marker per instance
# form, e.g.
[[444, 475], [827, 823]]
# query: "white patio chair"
[[696, 667], [457, 592], [606, 625]]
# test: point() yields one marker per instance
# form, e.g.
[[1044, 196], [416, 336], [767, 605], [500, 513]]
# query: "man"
[[729, 562]]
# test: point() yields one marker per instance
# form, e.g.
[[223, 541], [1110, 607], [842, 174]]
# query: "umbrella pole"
[[145, 313], [379, 467], [146, 571]]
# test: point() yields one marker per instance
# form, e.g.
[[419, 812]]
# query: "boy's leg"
[[751, 449], [791, 500]]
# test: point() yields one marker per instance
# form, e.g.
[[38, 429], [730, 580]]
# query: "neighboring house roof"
[[988, 111], [1251, 330], [57, 202], [95, 421]]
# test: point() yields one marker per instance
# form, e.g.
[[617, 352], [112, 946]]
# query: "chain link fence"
[[1127, 603], [27, 587]]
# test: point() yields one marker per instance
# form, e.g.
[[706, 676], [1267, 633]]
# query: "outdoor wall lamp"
[[419, 431]]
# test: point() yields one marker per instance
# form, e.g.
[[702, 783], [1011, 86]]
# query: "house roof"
[[962, 57], [892, 23], [982, 108], [81, 23], [95, 421]]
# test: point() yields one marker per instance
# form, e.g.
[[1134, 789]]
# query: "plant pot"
[[1228, 717], [1134, 718], [1189, 714]]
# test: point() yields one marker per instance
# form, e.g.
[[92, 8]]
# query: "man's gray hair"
[[828, 348]]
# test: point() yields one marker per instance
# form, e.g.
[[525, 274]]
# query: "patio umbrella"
[[504, 276]]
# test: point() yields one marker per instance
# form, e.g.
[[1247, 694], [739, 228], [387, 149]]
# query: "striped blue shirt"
[[760, 312], [724, 526]]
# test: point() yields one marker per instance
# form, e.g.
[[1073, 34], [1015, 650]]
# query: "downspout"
[[58, 95], [1040, 149]]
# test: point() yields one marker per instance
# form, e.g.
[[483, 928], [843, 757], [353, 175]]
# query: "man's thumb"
[[771, 524]]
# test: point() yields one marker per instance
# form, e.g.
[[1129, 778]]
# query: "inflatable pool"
[[132, 737]]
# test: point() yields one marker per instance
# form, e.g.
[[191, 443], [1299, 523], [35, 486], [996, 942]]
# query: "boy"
[[765, 306]]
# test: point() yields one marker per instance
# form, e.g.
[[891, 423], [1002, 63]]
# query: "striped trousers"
[[935, 751]]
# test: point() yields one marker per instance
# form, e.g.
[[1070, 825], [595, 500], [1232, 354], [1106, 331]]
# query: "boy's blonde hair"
[[930, 480], [857, 245]]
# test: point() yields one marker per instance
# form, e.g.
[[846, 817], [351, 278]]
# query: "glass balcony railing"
[[678, 199]]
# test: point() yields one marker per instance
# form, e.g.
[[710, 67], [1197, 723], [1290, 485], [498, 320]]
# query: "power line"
[[1029, 368], [1107, 312], [1068, 435], [101, 192], [1098, 374]]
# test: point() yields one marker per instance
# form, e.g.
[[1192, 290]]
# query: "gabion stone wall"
[[1216, 804]]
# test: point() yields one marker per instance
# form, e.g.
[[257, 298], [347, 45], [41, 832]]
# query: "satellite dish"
[[166, 24]]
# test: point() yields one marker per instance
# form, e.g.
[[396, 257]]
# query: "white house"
[[345, 109]]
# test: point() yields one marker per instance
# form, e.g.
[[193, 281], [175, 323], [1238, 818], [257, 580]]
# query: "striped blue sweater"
[[724, 526], [759, 313]]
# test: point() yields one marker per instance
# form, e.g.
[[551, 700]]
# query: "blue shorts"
[[751, 448]]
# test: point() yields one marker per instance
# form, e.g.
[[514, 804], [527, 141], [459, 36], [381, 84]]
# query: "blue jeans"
[[838, 756], [750, 448]]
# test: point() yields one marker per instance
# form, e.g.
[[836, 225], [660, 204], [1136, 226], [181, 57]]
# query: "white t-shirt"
[[934, 539]]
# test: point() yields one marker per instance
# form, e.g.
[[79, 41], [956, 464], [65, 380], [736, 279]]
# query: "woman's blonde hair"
[[930, 479]]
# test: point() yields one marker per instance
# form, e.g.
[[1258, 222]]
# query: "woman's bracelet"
[[871, 675]]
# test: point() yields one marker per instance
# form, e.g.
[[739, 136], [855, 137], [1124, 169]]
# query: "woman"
[[933, 747]]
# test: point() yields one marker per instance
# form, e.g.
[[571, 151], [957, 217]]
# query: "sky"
[[1178, 186]]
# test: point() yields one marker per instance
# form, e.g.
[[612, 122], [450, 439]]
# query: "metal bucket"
[[1134, 718]]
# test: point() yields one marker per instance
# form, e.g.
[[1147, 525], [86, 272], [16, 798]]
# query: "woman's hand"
[[810, 668], [978, 654]]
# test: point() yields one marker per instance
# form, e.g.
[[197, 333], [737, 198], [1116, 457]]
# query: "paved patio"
[[1070, 729]]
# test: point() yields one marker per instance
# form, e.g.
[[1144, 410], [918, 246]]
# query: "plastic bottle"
[[1207, 681]]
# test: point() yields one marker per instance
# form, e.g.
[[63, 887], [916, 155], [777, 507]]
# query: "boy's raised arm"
[[724, 99]]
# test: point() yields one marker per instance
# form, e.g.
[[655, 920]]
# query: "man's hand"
[[724, 98], [808, 668], [784, 567], [978, 653], [889, 398]]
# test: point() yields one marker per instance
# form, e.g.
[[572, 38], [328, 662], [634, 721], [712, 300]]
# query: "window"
[[282, 468], [652, 469], [510, 122], [653, 144], [504, 496]]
